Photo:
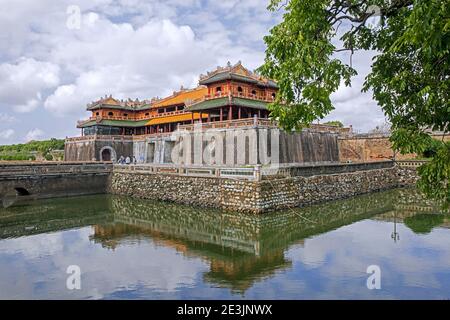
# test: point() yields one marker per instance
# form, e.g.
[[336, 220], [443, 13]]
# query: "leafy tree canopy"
[[43, 146], [335, 123], [409, 78]]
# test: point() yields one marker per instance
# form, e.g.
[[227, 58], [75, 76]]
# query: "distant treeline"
[[28, 151]]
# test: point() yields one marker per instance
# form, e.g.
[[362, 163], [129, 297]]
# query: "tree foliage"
[[24, 151], [335, 123], [424, 223], [409, 78]]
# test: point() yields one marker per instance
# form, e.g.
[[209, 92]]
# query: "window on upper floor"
[[170, 109], [239, 89], [254, 92], [219, 89], [147, 114], [110, 114], [97, 113], [125, 114]]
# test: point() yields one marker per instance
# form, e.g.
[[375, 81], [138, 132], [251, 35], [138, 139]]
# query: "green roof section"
[[115, 123], [237, 77], [227, 76], [250, 103], [209, 104], [221, 102]]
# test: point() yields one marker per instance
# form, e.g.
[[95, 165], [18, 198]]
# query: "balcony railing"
[[247, 122], [226, 94], [149, 117], [238, 173], [100, 137]]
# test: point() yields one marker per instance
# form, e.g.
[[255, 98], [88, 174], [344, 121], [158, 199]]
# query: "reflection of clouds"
[[103, 271], [328, 266], [33, 246], [340, 259]]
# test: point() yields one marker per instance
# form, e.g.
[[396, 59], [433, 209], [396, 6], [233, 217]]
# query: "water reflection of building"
[[28, 217], [240, 249]]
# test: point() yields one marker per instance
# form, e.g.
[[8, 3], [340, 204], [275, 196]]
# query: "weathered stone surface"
[[257, 196], [407, 176], [53, 179], [63, 179]]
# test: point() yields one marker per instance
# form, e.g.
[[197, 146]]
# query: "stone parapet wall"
[[258, 196]]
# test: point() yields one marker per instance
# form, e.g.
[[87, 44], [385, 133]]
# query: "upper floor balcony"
[[266, 98], [98, 119]]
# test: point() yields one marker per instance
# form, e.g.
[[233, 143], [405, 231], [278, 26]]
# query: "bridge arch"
[[107, 153], [22, 191]]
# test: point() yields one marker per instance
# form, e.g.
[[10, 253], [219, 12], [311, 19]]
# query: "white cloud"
[[30, 105], [6, 134], [22, 83], [136, 49], [34, 134], [4, 117], [153, 59]]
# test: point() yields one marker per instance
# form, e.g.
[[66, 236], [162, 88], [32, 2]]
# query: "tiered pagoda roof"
[[236, 72], [112, 103], [243, 88]]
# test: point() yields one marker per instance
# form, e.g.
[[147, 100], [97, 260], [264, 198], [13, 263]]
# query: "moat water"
[[138, 249]]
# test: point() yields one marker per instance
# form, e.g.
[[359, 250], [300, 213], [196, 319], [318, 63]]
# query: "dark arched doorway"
[[106, 155]]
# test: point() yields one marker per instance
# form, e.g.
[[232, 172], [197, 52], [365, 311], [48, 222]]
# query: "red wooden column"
[[239, 113], [221, 114], [259, 113], [230, 113], [209, 117], [192, 115], [201, 117]]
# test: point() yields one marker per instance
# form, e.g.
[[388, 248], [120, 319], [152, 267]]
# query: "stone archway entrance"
[[107, 154]]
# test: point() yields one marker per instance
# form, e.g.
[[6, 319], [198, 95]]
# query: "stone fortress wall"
[[248, 189], [372, 147], [244, 142], [265, 194]]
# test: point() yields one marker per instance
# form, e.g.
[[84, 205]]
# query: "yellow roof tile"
[[175, 118], [181, 97]]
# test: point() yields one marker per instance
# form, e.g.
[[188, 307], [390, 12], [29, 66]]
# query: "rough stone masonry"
[[257, 196]]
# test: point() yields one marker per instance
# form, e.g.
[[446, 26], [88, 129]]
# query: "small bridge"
[[51, 179]]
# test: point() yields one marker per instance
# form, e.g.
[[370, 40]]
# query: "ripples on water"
[[130, 248]]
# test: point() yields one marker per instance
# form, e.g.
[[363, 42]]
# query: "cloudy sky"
[[52, 65]]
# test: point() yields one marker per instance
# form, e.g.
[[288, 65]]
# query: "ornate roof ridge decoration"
[[128, 104], [238, 70]]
